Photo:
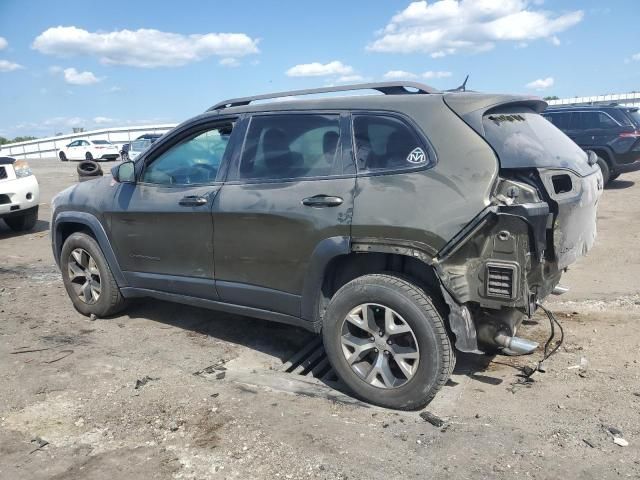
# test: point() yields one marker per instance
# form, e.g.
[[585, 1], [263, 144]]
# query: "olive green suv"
[[403, 226]]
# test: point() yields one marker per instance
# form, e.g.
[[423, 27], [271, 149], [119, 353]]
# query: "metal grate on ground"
[[311, 361]]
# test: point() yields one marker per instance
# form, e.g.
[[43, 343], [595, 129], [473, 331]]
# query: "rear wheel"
[[88, 278], [604, 168], [613, 177], [63, 157], [387, 342], [23, 222], [88, 156]]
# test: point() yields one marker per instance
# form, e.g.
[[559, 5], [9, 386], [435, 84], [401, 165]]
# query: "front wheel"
[[23, 222], [606, 171], [88, 278], [88, 156], [387, 342]]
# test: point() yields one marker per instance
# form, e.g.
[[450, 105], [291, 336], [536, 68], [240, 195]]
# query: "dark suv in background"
[[399, 225], [611, 131]]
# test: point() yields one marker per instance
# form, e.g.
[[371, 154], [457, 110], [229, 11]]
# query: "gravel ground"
[[71, 382]]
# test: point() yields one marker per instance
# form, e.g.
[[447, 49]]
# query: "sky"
[[99, 64]]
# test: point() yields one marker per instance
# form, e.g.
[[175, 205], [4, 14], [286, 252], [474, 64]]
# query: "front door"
[[161, 227], [287, 192]]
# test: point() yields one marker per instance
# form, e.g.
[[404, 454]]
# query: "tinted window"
[[386, 143], [634, 114], [291, 146], [591, 120], [620, 117], [559, 119], [100, 142], [195, 160]]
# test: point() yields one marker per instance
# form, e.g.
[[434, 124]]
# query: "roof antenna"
[[461, 88]]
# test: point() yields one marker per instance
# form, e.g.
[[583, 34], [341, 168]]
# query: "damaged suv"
[[403, 226]]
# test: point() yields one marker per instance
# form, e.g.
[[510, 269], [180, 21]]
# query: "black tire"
[[88, 156], [413, 304], [23, 222], [110, 300], [63, 157], [89, 168], [606, 171], [613, 177]]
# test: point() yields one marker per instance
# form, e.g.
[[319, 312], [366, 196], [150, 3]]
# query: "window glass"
[[195, 160], [386, 143], [559, 119], [100, 142], [605, 121], [620, 117], [290, 146]]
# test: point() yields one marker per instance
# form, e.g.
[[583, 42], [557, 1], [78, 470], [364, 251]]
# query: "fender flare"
[[325, 251], [91, 222]]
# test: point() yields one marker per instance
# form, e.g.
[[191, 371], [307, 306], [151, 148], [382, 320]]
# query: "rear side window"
[[386, 143], [559, 119], [100, 142], [291, 146], [592, 120]]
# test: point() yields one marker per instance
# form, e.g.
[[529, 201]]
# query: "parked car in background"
[[19, 194], [152, 137], [611, 131], [358, 217], [85, 149], [137, 147]]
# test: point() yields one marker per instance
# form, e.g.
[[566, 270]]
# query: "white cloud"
[[431, 74], [317, 69], [229, 62], [147, 48], [3, 43], [555, 41], [541, 83], [398, 75], [447, 27], [74, 77], [102, 120], [7, 66], [633, 58], [115, 89]]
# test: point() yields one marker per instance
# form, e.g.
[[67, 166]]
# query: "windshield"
[[100, 142]]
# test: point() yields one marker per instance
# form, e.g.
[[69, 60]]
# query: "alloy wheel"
[[84, 276], [379, 345]]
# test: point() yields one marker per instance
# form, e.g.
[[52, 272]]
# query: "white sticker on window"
[[417, 156]]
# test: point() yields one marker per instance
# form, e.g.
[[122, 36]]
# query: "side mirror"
[[592, 158], [124, 173]]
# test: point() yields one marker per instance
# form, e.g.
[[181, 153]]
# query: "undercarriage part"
[[517, 345], [461, 325]]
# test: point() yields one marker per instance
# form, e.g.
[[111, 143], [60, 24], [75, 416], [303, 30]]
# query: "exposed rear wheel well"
[[345, 268]]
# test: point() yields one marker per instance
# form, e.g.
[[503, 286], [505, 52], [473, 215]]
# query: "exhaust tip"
[[516, 345], [559, 290]]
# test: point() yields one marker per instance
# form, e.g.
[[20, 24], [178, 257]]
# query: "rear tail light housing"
[[634, 134]]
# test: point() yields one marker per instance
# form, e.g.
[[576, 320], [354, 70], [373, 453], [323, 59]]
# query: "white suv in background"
[[84, 149], [19, 194]]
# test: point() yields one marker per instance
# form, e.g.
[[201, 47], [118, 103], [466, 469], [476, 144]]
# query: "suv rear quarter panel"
[[428, 206]]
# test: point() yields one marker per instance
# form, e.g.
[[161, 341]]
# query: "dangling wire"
[[553, 321]]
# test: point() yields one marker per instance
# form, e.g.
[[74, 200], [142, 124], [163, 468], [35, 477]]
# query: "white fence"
[[627, 99], [48, 147]]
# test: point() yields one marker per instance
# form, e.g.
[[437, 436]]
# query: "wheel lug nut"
[[381, 333], [388, 342], [386, 352], [372, 339], [375, 350]]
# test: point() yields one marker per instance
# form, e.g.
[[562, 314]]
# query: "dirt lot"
[[76, 390]]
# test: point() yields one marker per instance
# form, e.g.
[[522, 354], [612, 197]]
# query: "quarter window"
[[291, 146], [195, 160], [386, 143]]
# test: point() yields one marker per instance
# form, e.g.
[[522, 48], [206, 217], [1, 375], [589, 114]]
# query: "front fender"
[[96, 228]]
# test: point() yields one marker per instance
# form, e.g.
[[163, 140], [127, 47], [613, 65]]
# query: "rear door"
[[291, 188], [161, 227]]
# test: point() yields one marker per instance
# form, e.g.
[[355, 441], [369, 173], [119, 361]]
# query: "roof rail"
[[388, 88]]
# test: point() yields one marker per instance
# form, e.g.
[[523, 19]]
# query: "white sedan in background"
[[84, 149], [19, 194]]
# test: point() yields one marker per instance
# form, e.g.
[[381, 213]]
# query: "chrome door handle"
[[322, 201], [193, 201]]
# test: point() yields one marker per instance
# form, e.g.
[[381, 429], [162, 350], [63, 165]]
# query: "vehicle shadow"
[[275, 339], [619, 184], [6, 232], [283, 342]]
